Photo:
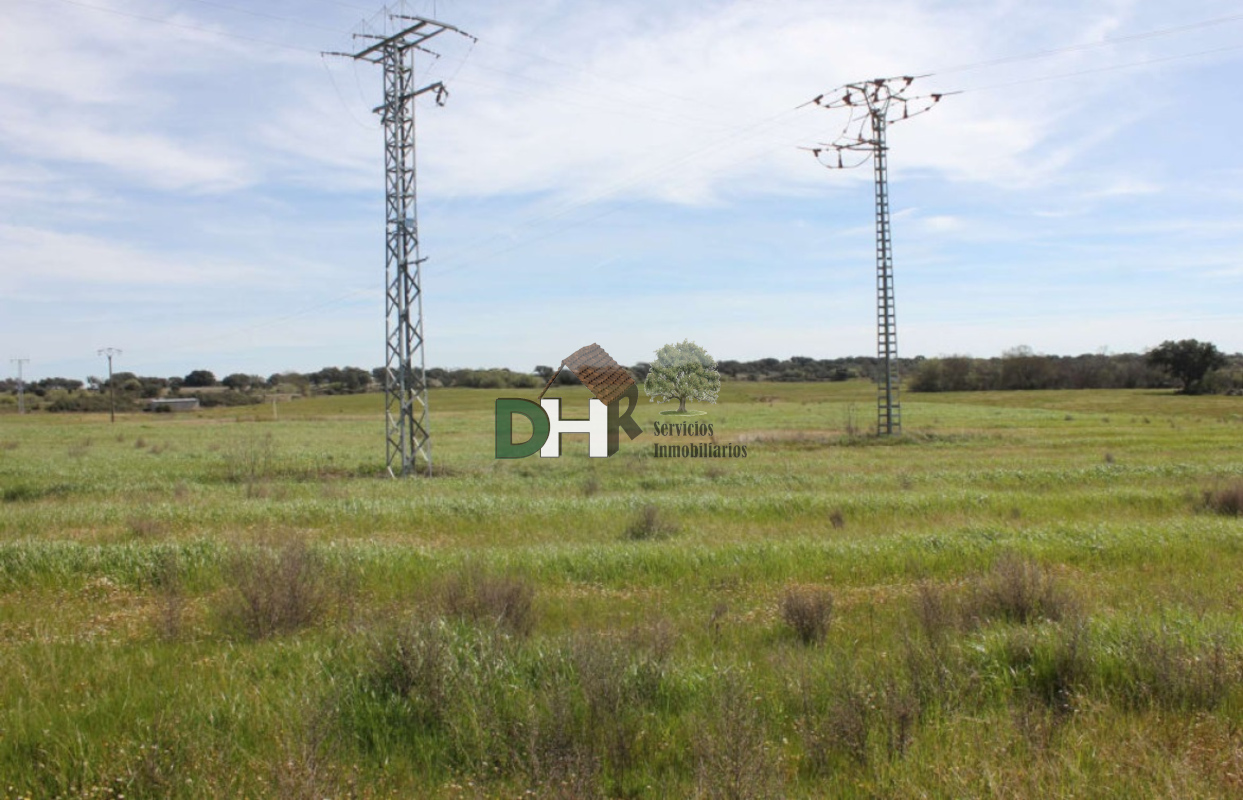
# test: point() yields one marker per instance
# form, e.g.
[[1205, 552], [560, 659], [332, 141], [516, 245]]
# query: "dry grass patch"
[[1018, 589], [501, 601], [275, 590], [1227, 500], [808, 610], [650, 524]]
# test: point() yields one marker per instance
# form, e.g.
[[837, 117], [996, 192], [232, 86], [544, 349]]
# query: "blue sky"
[[191, 182]]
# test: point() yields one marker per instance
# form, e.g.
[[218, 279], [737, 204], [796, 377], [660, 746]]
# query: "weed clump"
[[505, 602], [1053, 667], [1227, 500], [251, 462], [1018, 590], [734, 759], [1160, 669], [844, 719], [275, 591], [417, 665], [172, 601], [650, 525], [808, 611], [146, 527]]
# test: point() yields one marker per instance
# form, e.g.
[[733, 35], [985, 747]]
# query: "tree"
[[683, 372], [238, 382], [199, 378], [1187, 360]]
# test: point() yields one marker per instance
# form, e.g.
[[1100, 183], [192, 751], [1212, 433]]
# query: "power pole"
[[874, 105], [112, 389], [408, 438], [21, 386]]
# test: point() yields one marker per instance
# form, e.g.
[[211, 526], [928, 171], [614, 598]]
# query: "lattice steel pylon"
[[871, 104], [408, 447]]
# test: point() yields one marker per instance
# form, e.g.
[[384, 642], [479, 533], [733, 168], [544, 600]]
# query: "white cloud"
[[34, 257]]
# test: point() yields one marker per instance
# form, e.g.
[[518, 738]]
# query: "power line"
[[1111, 68], [1090, 45], [189, 27], [265, 15]]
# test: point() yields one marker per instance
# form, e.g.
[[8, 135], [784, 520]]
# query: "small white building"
[[173, 404]]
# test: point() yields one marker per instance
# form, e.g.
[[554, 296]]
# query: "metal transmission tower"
[[405, 382], [874, 105], [21, 385]]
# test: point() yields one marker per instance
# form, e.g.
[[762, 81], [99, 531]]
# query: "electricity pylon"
[[408, 446], [874, 105]]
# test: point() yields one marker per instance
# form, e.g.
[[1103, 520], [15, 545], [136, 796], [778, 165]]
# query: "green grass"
[[658, 664]]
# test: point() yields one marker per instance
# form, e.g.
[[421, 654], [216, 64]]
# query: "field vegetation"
[[1033, 594]]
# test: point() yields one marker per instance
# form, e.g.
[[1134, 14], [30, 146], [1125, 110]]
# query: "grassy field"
[[1030, 594]]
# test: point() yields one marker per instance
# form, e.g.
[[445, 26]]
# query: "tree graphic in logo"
[[683, 372]]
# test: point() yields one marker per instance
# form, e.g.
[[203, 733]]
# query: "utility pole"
[[21, 386], [874, 105], [112, 389], [407, 431]]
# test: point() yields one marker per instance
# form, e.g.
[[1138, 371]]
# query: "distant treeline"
[[1018, 369], [1021, 369]]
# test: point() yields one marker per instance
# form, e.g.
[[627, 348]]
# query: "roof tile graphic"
[[606, 379]]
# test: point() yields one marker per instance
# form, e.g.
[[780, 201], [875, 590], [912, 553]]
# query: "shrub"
[[808, 611], [620, 681], [560, 761], [275, 591], [650, 525], [417, 665], [498, 600], [1018, 590], [1227, 500], [733, 756]]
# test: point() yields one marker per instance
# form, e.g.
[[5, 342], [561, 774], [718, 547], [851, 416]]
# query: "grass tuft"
[[505, 602], [808, 611], [1019, 590], [650, 524], [1227, 500]]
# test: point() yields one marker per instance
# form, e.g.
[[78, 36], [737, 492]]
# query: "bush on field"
[[1227, 500], [650, 524], [808, 611], [498, 600], [276, 590], [734, 758], [1018, 590]]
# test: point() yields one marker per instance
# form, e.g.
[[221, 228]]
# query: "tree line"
[[1188, 365]]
